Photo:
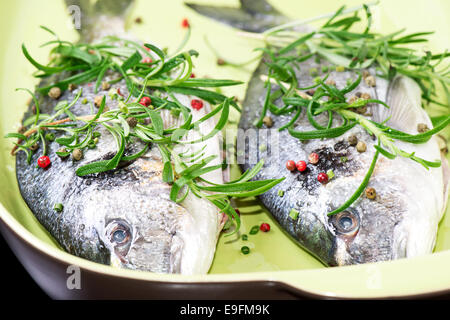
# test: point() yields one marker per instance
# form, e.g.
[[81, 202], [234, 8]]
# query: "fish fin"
[[86, 15], [256, 7], [405, 106], [253, 15], [405, 113]]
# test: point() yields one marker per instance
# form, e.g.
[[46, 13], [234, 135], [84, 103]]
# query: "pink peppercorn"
[[196, 104], [43, 162], [301, 165], [290, 165], [185, 23], [322, 177], [265, 227], [145, 101], [313, 158]]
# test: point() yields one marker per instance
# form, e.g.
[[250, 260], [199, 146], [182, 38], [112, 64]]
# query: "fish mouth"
[[151, 256], [157, 250]]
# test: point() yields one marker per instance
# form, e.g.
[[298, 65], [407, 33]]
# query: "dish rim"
[[278, 277]]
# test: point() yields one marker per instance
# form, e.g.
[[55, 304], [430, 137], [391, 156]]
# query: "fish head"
[[143, 229], [400, 218], [145, 232], [396, 221]]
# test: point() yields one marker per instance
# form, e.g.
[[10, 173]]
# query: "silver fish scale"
[[403, 218], [74, 229], [302, 192]]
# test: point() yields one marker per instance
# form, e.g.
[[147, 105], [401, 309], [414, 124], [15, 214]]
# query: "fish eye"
[[119, 236], [346, 222], [118, 233]]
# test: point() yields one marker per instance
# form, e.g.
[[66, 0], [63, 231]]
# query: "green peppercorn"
[[352, 140], [365, 74], [106, 86], [361, 146], [34, 147], [340, 68], [371, 193], [91, 144], [132, 122], [324, 69], [77, 154], [365, 96], [268, 122], [96, 134], [244, 237], [98, 101], [54, 93], [422, 128], [63, 153], [245, 250], [370, 81], [352, 99]]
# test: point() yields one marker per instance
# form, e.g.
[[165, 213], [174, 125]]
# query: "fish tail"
[[253, 15], [94, 19]]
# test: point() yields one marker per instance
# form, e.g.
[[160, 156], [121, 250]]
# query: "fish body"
[[131, 203], [124, 217], [401, 221]]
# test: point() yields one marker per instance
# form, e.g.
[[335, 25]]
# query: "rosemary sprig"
[[92, 61], [337, 43], [386, 136], [158, 80]]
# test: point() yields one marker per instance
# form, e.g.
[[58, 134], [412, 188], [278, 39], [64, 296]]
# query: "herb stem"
[[296, 23], [360, 189]]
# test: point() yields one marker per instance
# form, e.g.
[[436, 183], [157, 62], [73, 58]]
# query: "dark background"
[[16, 282]]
